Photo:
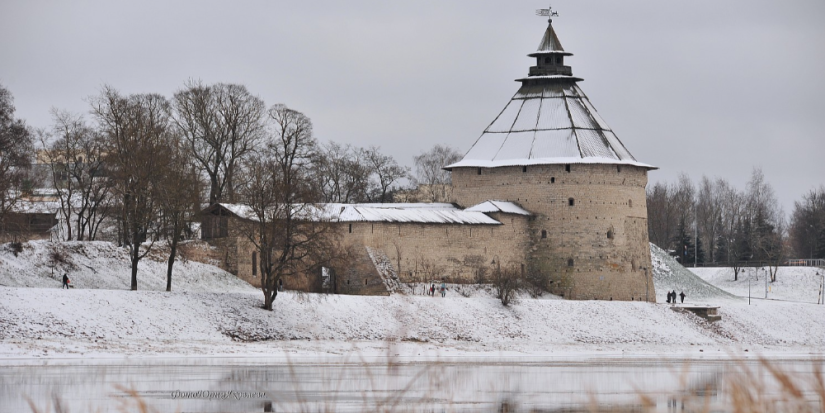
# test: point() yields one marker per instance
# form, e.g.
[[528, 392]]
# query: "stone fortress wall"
[[590, 229], [588, 234], [451, 253], [417, 253]]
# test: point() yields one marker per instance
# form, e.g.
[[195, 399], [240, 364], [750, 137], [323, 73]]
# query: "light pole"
[[821, 287]]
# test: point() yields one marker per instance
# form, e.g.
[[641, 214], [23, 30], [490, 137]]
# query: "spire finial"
[[548, 12]]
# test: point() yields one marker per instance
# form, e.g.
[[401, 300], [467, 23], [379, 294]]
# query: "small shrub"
[[15, 248], [507, 283]]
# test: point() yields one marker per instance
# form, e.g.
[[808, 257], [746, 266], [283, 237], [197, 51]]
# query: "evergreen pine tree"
[[684, 243], [722, 254], [744, 239], [700, 251], [820, 241]]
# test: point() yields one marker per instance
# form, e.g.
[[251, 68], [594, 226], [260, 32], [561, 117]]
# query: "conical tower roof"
[[548, 121], [550, 43]]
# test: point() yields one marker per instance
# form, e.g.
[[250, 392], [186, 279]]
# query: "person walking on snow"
[[683, 297], [668, 297], [65, 281], [432, 289], [443, 289]]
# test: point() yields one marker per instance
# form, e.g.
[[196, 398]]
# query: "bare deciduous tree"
[[287, 230], [429, 170], [661, 218], [767, 220], [341, 173], [178, 200], [387, 171], [137, 130], [222, 124], [16, 151], [709, 213], [75, 159]]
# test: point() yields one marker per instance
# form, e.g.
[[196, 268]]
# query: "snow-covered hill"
[[102, 265], [800, 284], [669, 275], [211, 312]]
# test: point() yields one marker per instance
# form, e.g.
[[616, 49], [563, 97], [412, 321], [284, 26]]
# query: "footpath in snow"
[[212, 313]]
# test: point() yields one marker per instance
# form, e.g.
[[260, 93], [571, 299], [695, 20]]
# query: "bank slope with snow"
[[669, 275], [800, 284], [211, 312], [147, 322], [102, 265]]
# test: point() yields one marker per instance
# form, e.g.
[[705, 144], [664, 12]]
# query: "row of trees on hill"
[[715, 222], [149, 164]]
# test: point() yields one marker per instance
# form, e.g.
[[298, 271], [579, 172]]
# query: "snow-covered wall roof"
[[402, 213], [499, 206]]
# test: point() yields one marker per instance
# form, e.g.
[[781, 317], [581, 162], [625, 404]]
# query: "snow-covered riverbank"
[[87, 323], [221, 316]]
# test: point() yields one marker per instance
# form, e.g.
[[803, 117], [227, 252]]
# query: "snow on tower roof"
[[548, 121]]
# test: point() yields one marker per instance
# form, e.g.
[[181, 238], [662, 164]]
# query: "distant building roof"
[[25, 206]]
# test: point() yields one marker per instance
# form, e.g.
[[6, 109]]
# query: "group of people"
[[432, 289], [671, 297]]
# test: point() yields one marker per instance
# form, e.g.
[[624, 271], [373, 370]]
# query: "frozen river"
[[254, 385]]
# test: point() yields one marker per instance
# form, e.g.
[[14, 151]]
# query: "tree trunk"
[[269, 297], [170, 263], [134, 248], [135, 261], [214, 196]]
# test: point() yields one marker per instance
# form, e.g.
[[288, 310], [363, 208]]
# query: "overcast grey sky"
[[711, 87]]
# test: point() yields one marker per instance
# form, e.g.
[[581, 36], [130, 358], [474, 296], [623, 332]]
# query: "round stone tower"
[[550, 152]]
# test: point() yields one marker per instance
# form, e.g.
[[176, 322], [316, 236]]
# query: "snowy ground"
[[799, 284], [102, 265], [211, 313]]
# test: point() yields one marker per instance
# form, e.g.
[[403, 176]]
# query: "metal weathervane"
[[548, 12]]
